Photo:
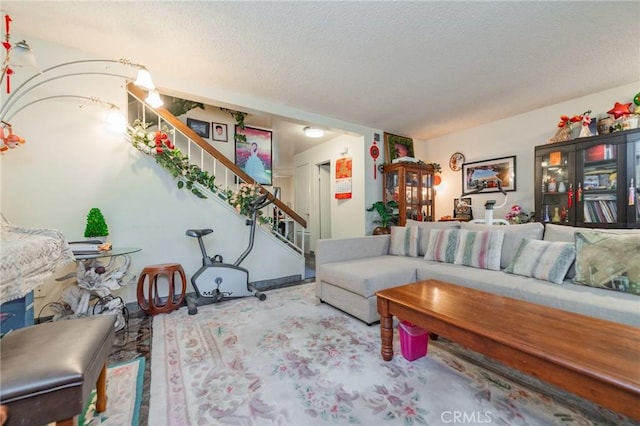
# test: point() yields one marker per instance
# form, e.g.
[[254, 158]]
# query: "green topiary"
[[96, 225]]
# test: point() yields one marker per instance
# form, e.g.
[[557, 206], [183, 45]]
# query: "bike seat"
[[198, 232]]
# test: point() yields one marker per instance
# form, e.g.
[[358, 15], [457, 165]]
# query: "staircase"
[[282, 228]]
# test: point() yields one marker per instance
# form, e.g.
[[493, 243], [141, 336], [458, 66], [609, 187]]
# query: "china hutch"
[[412, 186], [590, 182]]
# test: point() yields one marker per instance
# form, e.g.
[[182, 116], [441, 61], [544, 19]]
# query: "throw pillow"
[[480, 249], [544, 260], [424, 230], [404, 241], [513, 235], [443, 244], [608, 261]]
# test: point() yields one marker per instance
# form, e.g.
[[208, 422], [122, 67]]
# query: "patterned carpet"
[[288, 361]]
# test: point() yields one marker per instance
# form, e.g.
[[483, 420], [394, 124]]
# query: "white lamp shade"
[[143, 80], [154, 99], [22, 55]]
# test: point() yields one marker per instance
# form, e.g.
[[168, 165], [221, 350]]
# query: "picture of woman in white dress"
[[254, 155], [254, 166]]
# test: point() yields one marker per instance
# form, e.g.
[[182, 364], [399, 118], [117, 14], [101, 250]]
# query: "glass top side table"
[[95, 280]]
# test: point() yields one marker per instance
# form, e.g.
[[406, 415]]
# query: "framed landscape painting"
[[483, 176], [200, 127], [254, 155]]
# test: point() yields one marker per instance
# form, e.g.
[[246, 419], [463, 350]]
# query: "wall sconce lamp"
[[313, 132]]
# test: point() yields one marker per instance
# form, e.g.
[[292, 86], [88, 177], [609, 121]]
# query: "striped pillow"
[[443, 244], [544, 260], [480, 249], [404, 241]]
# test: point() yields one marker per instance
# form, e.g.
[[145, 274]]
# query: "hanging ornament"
[[375, 153], [620, 110], [636, 99]]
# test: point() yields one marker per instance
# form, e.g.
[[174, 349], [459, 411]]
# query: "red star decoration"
[[619, 110]]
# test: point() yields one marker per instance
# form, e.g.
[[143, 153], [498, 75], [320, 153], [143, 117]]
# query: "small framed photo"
[[219, 132], [462, 211], [483, 176], [200, 127], [397, 147]]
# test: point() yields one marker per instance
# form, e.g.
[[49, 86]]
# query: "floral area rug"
[[288, 361], [124, 395]]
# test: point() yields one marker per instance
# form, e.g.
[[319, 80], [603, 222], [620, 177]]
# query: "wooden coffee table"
[[596, 359]]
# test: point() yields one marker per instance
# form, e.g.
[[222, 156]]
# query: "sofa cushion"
[[480, 249], [425, 231], [553, 232], [404, 241], [609, 305], [368, 275], [608, 261], [443, 244], [544, 260], [513, 235]]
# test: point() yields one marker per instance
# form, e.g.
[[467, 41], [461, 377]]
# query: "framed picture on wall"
[[485, 175], [397, 147], [200, 127], [254, 155], [219, 132]]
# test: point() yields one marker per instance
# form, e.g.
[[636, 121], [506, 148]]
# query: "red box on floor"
[[413, 340]]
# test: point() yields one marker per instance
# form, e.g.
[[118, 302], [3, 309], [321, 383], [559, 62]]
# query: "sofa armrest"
[[340, 249]]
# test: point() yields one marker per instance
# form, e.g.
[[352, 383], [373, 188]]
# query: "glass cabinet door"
[[598, 188], [426, 197], [412, 198], [558, 193], [633, 184], [391, 186]]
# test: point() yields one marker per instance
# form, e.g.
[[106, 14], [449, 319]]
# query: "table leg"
[[386, 330], [101, 390]]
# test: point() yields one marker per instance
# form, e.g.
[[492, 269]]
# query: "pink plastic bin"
[[413, 340]]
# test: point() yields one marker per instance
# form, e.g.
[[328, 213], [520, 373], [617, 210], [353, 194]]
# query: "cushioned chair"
[[48, 370]]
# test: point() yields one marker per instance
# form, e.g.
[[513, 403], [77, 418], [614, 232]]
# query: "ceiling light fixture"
[[313, 132]]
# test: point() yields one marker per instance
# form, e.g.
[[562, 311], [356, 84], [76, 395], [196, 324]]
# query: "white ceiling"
[[419, 69]]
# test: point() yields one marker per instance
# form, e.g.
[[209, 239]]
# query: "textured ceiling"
[[420, 69]]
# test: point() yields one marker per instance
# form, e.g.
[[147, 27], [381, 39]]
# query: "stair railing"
[[286, 224]]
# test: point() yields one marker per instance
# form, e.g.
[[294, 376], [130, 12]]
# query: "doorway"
[[324, 200]]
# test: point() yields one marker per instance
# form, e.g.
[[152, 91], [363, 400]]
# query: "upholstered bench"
[[49, 370]]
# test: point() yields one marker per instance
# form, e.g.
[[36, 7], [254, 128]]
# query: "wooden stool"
[[152, 304], [49, 370]]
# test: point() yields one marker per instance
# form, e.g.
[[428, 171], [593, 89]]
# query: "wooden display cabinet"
[[411, 185]]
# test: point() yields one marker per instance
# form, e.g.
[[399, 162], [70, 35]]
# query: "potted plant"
[[96, 226], [387, 216]]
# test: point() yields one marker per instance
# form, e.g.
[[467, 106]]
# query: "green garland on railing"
[[158, 145], [239, 117]]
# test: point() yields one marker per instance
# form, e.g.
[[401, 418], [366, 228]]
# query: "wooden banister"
[[184, 129]]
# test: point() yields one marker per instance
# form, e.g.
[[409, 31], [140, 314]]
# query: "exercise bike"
[[489, 205], [216, 280]]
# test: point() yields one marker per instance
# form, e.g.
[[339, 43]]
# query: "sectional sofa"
[[594, 272]]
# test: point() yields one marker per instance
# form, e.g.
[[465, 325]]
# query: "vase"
[[556, 215], [381, 230], [562, 187]]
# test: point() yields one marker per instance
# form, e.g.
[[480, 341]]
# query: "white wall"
[[348, 215], [517, 135]]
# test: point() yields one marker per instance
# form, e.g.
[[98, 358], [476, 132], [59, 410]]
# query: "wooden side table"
[[148, 298]]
